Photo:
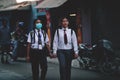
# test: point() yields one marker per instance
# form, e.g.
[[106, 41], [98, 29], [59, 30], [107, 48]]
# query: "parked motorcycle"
[[99, 56], [22, 46], [19, 43], [6, 54]]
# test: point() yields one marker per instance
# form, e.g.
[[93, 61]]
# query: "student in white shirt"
[[35, 53], [64, 41]]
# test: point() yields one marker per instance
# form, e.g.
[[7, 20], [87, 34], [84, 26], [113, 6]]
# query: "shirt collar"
[[65, 28], [36, 30]]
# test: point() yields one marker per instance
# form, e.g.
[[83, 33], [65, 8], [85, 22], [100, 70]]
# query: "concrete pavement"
[[21, 70], [6, 74]]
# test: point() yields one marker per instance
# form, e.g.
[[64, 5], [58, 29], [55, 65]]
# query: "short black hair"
[[34, 22], [61, 19]]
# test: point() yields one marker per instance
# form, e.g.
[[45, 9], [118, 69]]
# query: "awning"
[[19, 1], [50, 3], [21, 6]]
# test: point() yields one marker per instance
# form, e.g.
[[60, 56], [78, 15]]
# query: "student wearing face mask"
[[36, 42]]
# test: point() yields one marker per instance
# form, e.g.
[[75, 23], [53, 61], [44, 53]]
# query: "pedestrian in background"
[[4, 39], [64, 41], [37, 39], [18, 36]]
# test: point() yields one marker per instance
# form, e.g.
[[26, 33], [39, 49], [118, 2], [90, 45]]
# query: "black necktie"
[[65, 37], [39, 37]]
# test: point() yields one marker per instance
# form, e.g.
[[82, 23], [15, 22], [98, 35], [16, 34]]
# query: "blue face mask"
[[38, 25]]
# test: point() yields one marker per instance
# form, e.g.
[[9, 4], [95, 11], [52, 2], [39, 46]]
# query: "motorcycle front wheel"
[[107, 66]]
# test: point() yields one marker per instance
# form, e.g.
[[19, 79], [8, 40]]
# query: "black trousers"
[[65, 59], [38, 60]]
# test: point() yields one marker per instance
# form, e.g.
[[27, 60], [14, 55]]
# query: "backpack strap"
[[32, 34], [71, 32], [58, 33], [44, 34]]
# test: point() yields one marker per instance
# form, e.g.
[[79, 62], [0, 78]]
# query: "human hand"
[[76, 56], [50, 55], [54, 55]]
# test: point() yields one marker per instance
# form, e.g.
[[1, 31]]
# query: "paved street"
[[21, 70]]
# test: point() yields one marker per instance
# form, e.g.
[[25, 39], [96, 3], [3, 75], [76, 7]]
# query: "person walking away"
[[4, 40], [64, 41], [35, 53]]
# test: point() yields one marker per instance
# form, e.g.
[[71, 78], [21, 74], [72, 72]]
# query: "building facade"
[[97, 18]]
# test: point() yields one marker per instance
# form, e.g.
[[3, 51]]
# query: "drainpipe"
[[33, 15]]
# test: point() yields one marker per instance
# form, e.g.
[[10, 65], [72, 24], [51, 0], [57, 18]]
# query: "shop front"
[[16, 13], [91, 19], [76, 11]]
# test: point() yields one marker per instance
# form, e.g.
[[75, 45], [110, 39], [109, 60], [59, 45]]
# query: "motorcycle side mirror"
[[94, 45], [81, 46]]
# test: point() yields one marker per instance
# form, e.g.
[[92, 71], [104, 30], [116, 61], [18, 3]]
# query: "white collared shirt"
[[36, 39], [59, 44]]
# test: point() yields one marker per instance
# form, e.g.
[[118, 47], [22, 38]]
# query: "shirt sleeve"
[[75, 44], [29, 38], [55, 43]]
